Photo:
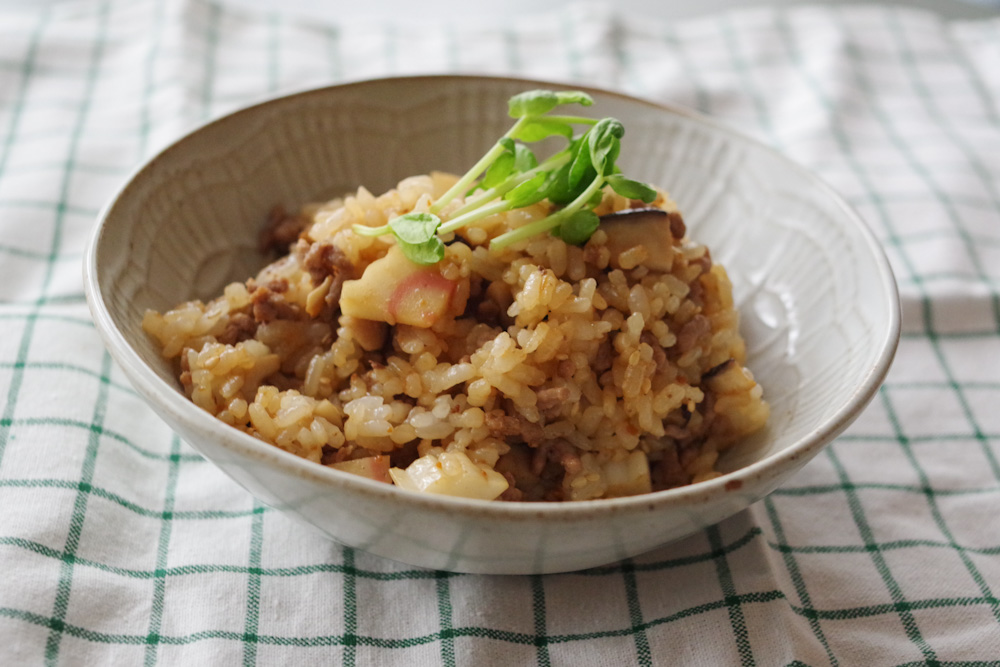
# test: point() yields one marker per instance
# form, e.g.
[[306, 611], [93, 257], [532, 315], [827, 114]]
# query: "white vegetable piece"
[[450, 474], [395, 290], [629, 477]]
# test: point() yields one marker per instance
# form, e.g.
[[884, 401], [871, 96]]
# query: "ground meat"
[[329, 455], [707, 410], [268, 304], [555, 495], [562, 452], [668, 472], [278, 285], [697, 293], [405, 454], [677, 227], [503, 425], [604, 358], [240, 327], [322, 260], [675, 432], [512, 493], [281, 230], [705, 262], [551, 399], [659, 356], [488, 312], [696, 328], [515, 466], [687, 454]]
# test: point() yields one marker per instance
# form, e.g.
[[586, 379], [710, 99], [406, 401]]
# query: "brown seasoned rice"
[[556, 373]]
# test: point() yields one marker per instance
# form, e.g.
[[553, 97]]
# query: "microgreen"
[[415, 227], [510, 177], [540, 102], [578, 227], [631, 189]]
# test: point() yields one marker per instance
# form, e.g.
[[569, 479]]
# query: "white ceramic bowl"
[[817, 298]]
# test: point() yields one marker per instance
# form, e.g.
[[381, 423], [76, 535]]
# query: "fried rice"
[[540, 372]]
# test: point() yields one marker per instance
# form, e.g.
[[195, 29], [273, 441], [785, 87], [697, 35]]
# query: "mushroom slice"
[[652, 228]]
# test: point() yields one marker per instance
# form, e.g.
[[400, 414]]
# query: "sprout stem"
[[365, 230], [554, 162], [550, 222], [465, 181], [573, 120], [473, 215]]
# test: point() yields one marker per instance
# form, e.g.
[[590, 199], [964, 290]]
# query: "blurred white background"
[[441, 9], [438, 9]]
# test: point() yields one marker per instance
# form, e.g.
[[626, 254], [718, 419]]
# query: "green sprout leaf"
[[524, 159], [532, 103], [537, 129], [527, 193], [415, 228], [539, 102], [604, 142], [517, 160], [563, 188], [631, 189], [579, 227], [582, 167], [499, 171], [427, 253], [557, 187], [574, 97]]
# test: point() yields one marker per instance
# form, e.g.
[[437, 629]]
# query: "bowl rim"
[[160, 394]]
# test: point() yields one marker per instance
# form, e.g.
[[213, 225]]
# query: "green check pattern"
[[121, 546]]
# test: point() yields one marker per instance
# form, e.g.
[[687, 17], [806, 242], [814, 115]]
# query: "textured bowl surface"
[[818, 302]]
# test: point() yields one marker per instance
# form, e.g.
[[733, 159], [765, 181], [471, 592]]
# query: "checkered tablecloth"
[[120, 546]]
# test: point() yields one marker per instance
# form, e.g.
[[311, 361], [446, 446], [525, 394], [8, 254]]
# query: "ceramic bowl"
[[818, 302]]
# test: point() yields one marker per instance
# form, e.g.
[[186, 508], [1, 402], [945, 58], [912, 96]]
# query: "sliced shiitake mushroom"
[[653, 228]]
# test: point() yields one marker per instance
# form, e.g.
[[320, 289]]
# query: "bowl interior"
[[816, 297]]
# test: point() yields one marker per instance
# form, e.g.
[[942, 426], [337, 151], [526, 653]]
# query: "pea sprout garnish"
[[511, 177]]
